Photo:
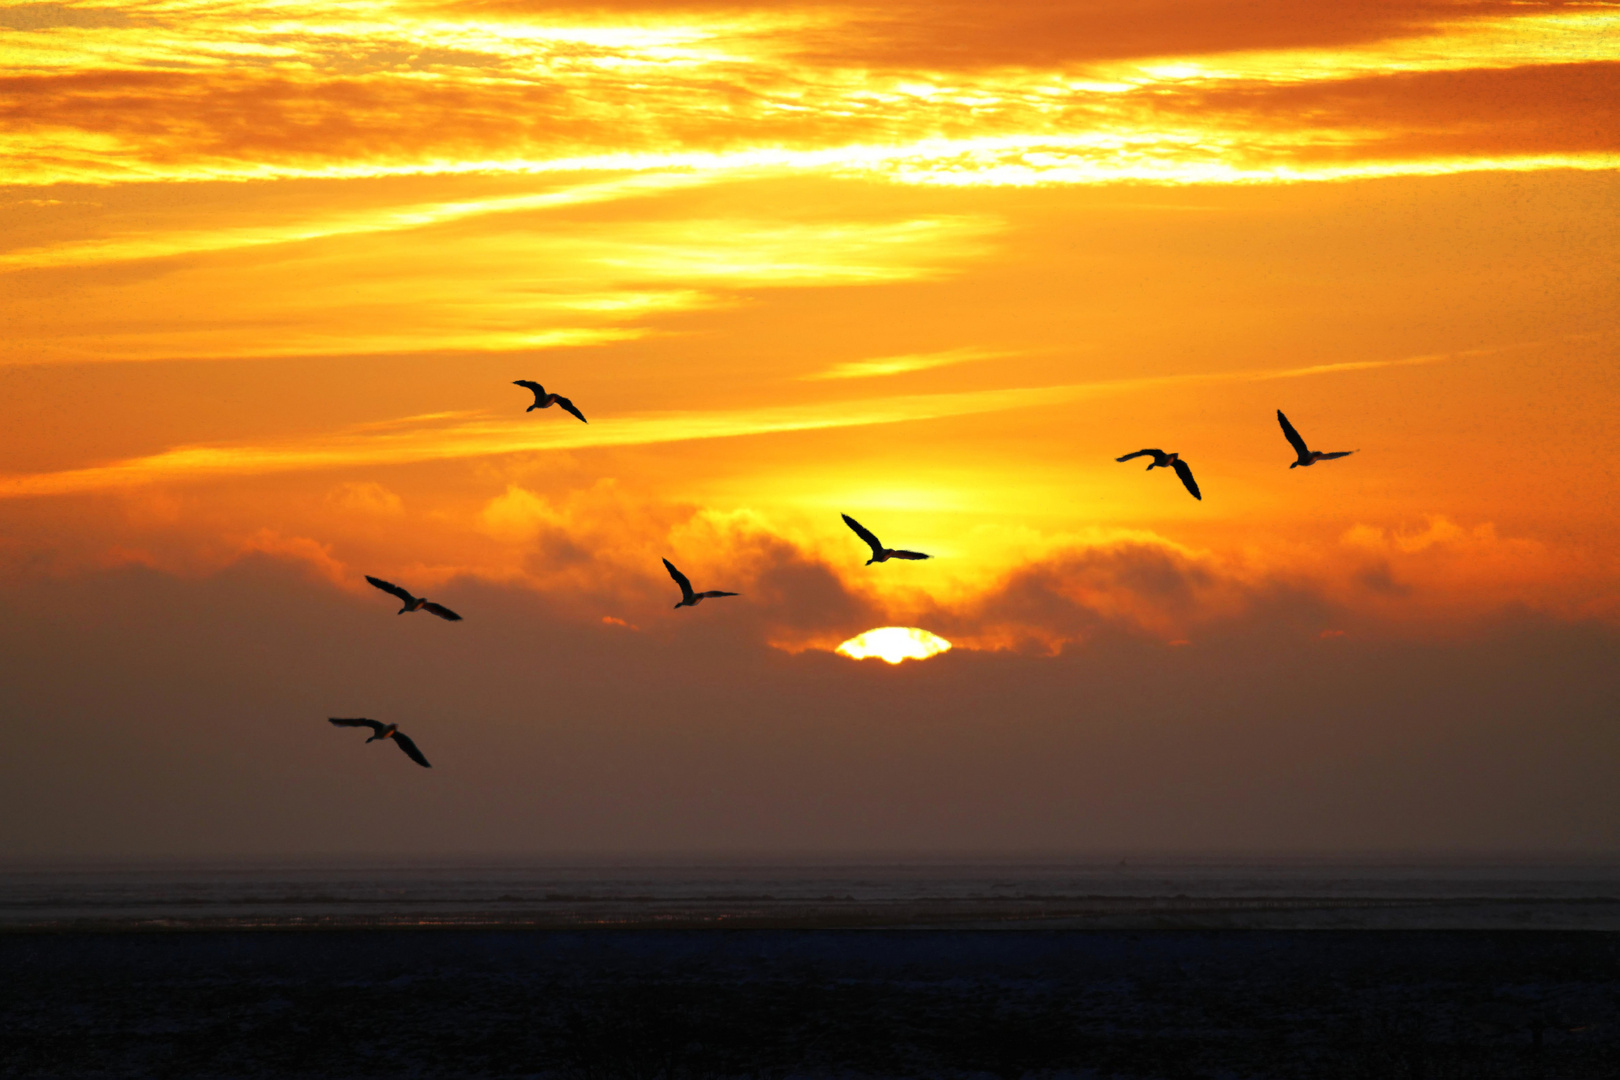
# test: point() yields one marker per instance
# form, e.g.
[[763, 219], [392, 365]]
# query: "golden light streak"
[[349, 223], [898, 365], [215, 345], [1190, 156], [1579, 34], [402, 442], [892, 644]]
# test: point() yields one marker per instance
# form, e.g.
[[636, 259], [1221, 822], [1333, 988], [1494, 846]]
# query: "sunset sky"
[[268, 270]]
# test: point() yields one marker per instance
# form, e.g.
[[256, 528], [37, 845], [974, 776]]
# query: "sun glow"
[[893, 644]]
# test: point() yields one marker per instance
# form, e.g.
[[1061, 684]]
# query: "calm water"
[[1293, 892]]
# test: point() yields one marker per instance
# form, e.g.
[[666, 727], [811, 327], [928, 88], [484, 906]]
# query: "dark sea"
[[1068, 969]]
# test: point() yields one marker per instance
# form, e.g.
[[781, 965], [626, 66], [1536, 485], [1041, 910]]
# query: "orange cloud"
[[1024, 93], [366, 497], [311, 553]]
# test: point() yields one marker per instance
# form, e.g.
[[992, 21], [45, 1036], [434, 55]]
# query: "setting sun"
[[894, 644]]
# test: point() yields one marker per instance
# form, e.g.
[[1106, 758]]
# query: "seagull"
[[543, 400], [385, 731], [413, 603], [879, 552], [1162, 460], [1306, 457], [688, 597]]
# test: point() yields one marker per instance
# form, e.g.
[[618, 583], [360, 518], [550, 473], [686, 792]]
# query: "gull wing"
[[530, 384], [441, 611], [358, 721], [865, 534], [717, 592], [390, 587], [908, 555], [410, 749], [569, 406], [1336, 453], [1186, 478], [1157, 454], [1292, 436], [680, 579]]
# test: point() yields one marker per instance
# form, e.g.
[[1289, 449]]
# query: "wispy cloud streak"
[[351, 223], [899, 365], [405, 441]]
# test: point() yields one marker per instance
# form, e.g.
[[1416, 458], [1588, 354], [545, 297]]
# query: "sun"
[[894, 644]]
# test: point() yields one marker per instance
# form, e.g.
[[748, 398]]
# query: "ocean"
[[854, 969]]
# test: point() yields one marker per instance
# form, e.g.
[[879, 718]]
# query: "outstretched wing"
[[717, 592], [390, 587], [909, 555], [358, 721], [569, 406], [680, 579], [530, 384], [1156, 455], [410, 749], [441, 611], [864, 533], [1336, 453], [1291, 435], [1186, 478]]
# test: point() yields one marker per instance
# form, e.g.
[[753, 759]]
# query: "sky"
[[268, 270]]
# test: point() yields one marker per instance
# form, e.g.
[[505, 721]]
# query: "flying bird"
[[879, 552], [413, 603], [688, 597], [543, 400], [1162, 460], [1306, 456], [385, 731]]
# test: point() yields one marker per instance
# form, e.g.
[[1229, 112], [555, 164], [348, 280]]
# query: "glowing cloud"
[[893, 644]]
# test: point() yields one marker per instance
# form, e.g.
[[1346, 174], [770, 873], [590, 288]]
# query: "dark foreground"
[[1383, 1005]]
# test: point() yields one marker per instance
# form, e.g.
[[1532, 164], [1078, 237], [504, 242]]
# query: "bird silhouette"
[[543, 400], [688, 597], [879, 552], [1162, 460], [1306, 456], [384, 731], [413, 603]]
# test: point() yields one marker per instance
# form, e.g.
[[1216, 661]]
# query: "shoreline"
[[1595, 914]]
